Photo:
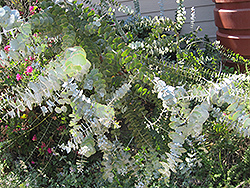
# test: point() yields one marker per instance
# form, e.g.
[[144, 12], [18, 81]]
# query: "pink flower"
[[25, 59], [32, 162], [34, 138], [61, 128], [31, 58], [8, 76], [18, 77], [35, 35], [43, 145], [49, 150], [6, 126], [7, 48], [29, 69], [31, 8]]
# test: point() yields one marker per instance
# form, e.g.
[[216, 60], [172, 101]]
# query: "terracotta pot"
[[232, 17]]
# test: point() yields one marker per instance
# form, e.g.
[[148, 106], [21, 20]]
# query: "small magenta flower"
[[61, 128], [43, 145], [25, 59], [8, 76], [29, 69], [32, 162], [49, 150], [31, 58], [31, 8], [34, 138], [7, 48], [18, 77]]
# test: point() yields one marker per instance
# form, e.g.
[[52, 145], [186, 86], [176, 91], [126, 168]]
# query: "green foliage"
[[105, 103]]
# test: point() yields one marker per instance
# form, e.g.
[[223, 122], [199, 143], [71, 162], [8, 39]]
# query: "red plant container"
[[232, 17]]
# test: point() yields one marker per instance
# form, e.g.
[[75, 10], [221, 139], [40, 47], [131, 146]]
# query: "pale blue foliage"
[[189, 122], [20, 31], [137, 7], [161, 5], [180, 16], [59, 79], [9, 19]]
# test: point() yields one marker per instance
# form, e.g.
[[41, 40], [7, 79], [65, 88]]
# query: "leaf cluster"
[[140, 103]]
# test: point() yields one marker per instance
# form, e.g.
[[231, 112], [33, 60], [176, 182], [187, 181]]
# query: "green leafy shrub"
[[87, 100]]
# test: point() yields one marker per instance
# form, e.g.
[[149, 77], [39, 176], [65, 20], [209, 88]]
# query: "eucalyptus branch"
[[157, 120]]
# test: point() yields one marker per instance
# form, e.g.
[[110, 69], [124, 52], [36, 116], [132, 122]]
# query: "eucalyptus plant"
[[132, 98]]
